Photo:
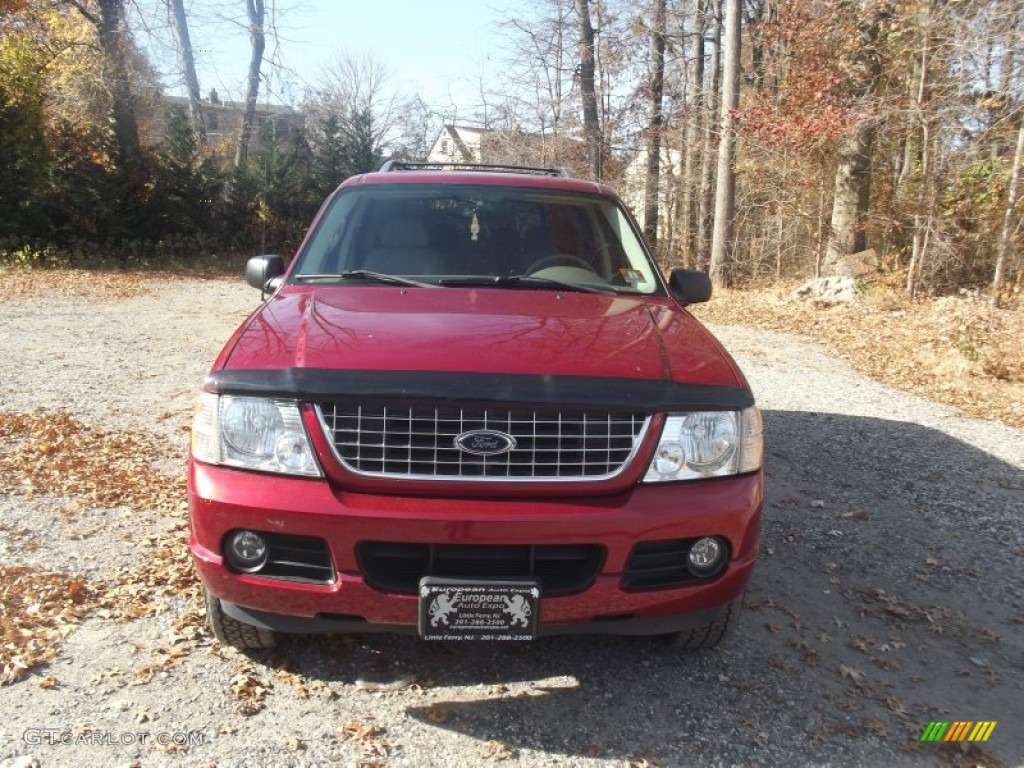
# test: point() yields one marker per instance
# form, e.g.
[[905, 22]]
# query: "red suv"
[[473, 408]]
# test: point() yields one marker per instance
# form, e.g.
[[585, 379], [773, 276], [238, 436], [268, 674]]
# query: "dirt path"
[[888, 594]]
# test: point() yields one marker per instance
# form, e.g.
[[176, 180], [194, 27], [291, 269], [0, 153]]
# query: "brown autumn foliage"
[[956, 350]]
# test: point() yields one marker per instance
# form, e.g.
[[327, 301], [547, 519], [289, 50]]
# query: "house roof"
[[234, 106], [467, 129]]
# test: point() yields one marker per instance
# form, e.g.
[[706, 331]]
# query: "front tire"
[[711, 634], [238, 634]]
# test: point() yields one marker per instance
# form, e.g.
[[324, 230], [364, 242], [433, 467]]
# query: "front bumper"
[[223, 499]]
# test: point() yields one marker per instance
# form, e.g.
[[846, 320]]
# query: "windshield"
[[447, 234]]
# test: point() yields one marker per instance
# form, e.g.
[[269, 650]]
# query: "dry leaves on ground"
[[957, 350], [78, 282], [51, 453], [37, 610], [103, 284]]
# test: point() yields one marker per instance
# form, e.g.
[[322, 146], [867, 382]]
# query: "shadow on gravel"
[[888, 595]]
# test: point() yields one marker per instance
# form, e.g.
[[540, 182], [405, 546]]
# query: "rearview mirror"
[[689, 286], [264, 272]]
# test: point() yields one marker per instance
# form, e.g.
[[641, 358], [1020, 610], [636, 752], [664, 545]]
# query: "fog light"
[[706, 556], [247, 551]]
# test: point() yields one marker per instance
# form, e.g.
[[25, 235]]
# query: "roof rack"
[[402, 165]]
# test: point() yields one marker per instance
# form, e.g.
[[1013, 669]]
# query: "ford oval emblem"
[[485, 442]]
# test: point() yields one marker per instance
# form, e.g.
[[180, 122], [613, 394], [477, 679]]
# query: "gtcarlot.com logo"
[[958, 730], [53, 736]]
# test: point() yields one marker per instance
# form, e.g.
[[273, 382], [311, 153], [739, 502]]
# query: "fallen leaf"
[[496, 750], [854, 674]]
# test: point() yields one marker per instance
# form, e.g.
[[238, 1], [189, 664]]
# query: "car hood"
[[480, 330]]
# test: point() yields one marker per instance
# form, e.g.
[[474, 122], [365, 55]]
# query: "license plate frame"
[[478, 609]]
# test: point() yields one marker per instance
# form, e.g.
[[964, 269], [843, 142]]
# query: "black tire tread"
[[711, 634], [237, 634]]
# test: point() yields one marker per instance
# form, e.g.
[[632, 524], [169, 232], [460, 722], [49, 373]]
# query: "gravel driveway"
[[889, 594]]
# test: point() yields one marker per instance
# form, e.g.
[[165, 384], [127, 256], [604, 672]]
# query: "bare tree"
[[354, 89], [358, 82], [707, 170], [693, 122], [538, 77], [725, 189], [258, 42], [917, 157], [591, 127], [416, 124], [188, 68], [1007, 231], [655, 123], [851, 194]]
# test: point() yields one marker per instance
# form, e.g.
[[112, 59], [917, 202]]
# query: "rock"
[[372, 686], [828, 289], [858, 264], [25, 761]]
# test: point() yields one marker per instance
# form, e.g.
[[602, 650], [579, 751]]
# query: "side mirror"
[[689, 286], [264, 273]]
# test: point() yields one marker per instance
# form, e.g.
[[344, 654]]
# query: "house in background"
[[462, 144], [458, 144], [634, 180], [224, 118]]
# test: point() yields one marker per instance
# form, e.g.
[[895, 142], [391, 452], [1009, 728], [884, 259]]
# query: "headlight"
[[707, 444], [252, 433]]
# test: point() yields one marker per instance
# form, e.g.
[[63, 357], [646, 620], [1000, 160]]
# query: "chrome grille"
[[419, 441]]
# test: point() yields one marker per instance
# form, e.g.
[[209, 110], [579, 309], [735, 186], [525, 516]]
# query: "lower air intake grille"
[[420, 441], [661, 564], [297, 558], [398, 567]]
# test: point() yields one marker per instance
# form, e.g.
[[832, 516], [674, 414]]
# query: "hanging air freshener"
[[474, 228]]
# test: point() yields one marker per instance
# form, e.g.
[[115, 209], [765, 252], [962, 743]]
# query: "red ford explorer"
[[472, 408]]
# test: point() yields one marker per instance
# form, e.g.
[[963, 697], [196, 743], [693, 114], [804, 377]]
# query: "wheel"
[[559, 258], [711, 634], [236, 633]]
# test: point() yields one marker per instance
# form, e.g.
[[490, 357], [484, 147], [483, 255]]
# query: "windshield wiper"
[[528, 281], [365, 274]]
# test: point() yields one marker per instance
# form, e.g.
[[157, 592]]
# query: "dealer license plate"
[[454, 609]]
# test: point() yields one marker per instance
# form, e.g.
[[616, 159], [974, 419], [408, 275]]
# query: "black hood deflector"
[[478, 389]]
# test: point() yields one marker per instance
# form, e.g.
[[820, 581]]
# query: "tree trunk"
[[762, 13], [117, 73], [725, 187], [923, 216], [258, 41], [691, 131], [917, 163], [656, 89], [591, 128], [852, 191], [853, 172], [707, 190], [1006, 233], [188, 68]]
